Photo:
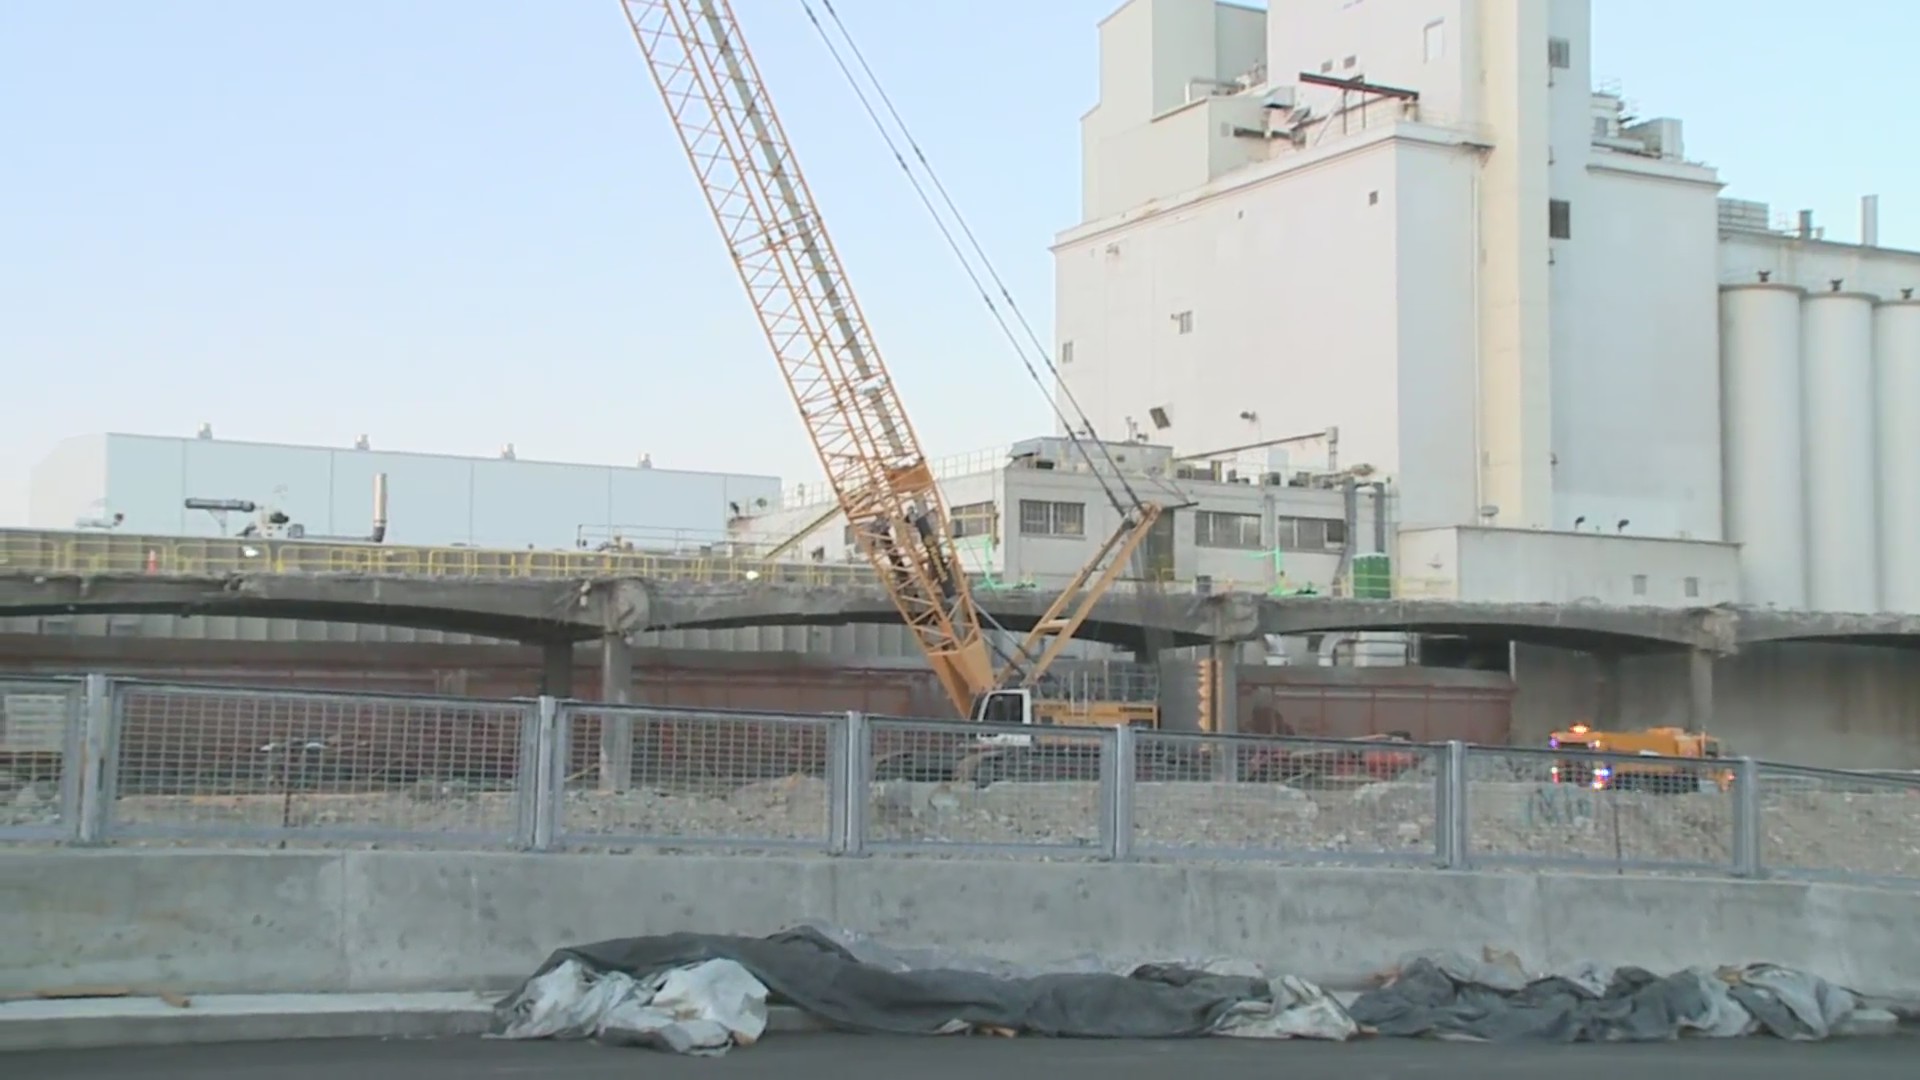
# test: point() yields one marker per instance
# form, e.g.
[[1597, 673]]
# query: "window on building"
[[1435, 39], [1066, 352], [1692, 587], [975, 519], [1559, 219], [1183, 321], [1326, 67], [1559, 53], [1220, 529], [1639, 584], [1309, 534], [1601, 127], [1039, 517], [1350, 63]]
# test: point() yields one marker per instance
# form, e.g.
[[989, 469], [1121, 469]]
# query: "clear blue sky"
[[452, 224]]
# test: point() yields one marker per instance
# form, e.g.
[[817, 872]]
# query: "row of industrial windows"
[[1211, 528]]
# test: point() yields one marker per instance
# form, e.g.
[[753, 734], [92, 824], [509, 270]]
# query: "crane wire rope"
[[1150, 593], [953, 244]]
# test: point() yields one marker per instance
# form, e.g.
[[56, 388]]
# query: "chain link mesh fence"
[[243, 765], [647, 776], [212, 764], [1823, 823], [1571, 807], [934, 787], [1310, 800], [40, 730]]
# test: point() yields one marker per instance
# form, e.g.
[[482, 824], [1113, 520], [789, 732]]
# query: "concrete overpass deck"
[[552, 610]]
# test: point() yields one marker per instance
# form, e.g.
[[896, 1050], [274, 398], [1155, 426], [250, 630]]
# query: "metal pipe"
[[1380, 517], [379, 508]]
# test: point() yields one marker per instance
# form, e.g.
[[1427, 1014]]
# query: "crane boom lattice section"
[[773, 230]]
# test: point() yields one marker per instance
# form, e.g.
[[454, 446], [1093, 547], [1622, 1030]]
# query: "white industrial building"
[[1034, 514], [1587, 376], [143, 484]]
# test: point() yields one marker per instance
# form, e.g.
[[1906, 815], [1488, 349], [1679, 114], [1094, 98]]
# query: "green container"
[[1372, 577]]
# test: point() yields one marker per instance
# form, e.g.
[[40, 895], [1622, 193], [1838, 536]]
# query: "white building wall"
[[1815, 264], [1233, 301], [1636, 387], [69, 485], [432, 499], [1155, 132], [1388, 44], [1543, 566], [1437, 325]]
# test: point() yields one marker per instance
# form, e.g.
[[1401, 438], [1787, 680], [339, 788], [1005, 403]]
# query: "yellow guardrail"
[[37, 551]]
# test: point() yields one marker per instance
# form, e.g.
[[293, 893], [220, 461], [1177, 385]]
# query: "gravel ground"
[[1875, 833]]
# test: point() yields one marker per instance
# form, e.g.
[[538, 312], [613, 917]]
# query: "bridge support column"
[[616, 729], [1226, 705], [1606, 692], [1700, 689], [556, 669]]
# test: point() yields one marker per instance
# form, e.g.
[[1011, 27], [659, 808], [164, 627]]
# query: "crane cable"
[[1046, 357], [1151, 593]]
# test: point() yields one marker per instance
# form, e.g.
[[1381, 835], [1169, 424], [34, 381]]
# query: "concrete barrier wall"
[[207, 922]]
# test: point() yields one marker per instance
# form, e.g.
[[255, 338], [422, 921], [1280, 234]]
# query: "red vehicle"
[[1348, 762]]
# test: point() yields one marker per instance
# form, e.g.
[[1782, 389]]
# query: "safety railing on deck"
[[99, 761], [114, 553], [56, 552]]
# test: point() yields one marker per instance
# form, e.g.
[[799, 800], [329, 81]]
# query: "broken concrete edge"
[[102, 1023]]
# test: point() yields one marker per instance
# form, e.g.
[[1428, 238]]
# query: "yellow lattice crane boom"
[[773, 230]]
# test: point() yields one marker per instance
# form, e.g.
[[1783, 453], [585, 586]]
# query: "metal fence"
[[99, 761]]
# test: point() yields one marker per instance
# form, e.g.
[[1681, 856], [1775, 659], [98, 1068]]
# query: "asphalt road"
[[848, 1057]]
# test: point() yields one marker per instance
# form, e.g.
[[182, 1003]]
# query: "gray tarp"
[[613, 990], [805, 968], [1625, 1005]]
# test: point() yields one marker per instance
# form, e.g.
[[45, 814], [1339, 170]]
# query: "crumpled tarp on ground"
[[703, 993], [1450, 997], [602, 991]]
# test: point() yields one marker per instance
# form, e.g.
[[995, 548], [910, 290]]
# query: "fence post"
[[541, 774], [1118, 770], [1451, 806], [73, 767], [848, 770], [1746, 818], [98, 760]]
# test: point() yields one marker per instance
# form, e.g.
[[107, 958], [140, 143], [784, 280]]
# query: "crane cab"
[[1020, 707], [1005, 707]]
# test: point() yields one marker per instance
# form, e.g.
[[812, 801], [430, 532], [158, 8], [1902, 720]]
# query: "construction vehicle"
[[852, 411], [1649, 759]]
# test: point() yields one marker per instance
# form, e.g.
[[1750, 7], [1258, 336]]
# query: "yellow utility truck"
[[1664, 760]]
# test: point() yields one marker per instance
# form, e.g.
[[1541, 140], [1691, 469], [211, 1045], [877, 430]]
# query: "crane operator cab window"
[[1002, 707]]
